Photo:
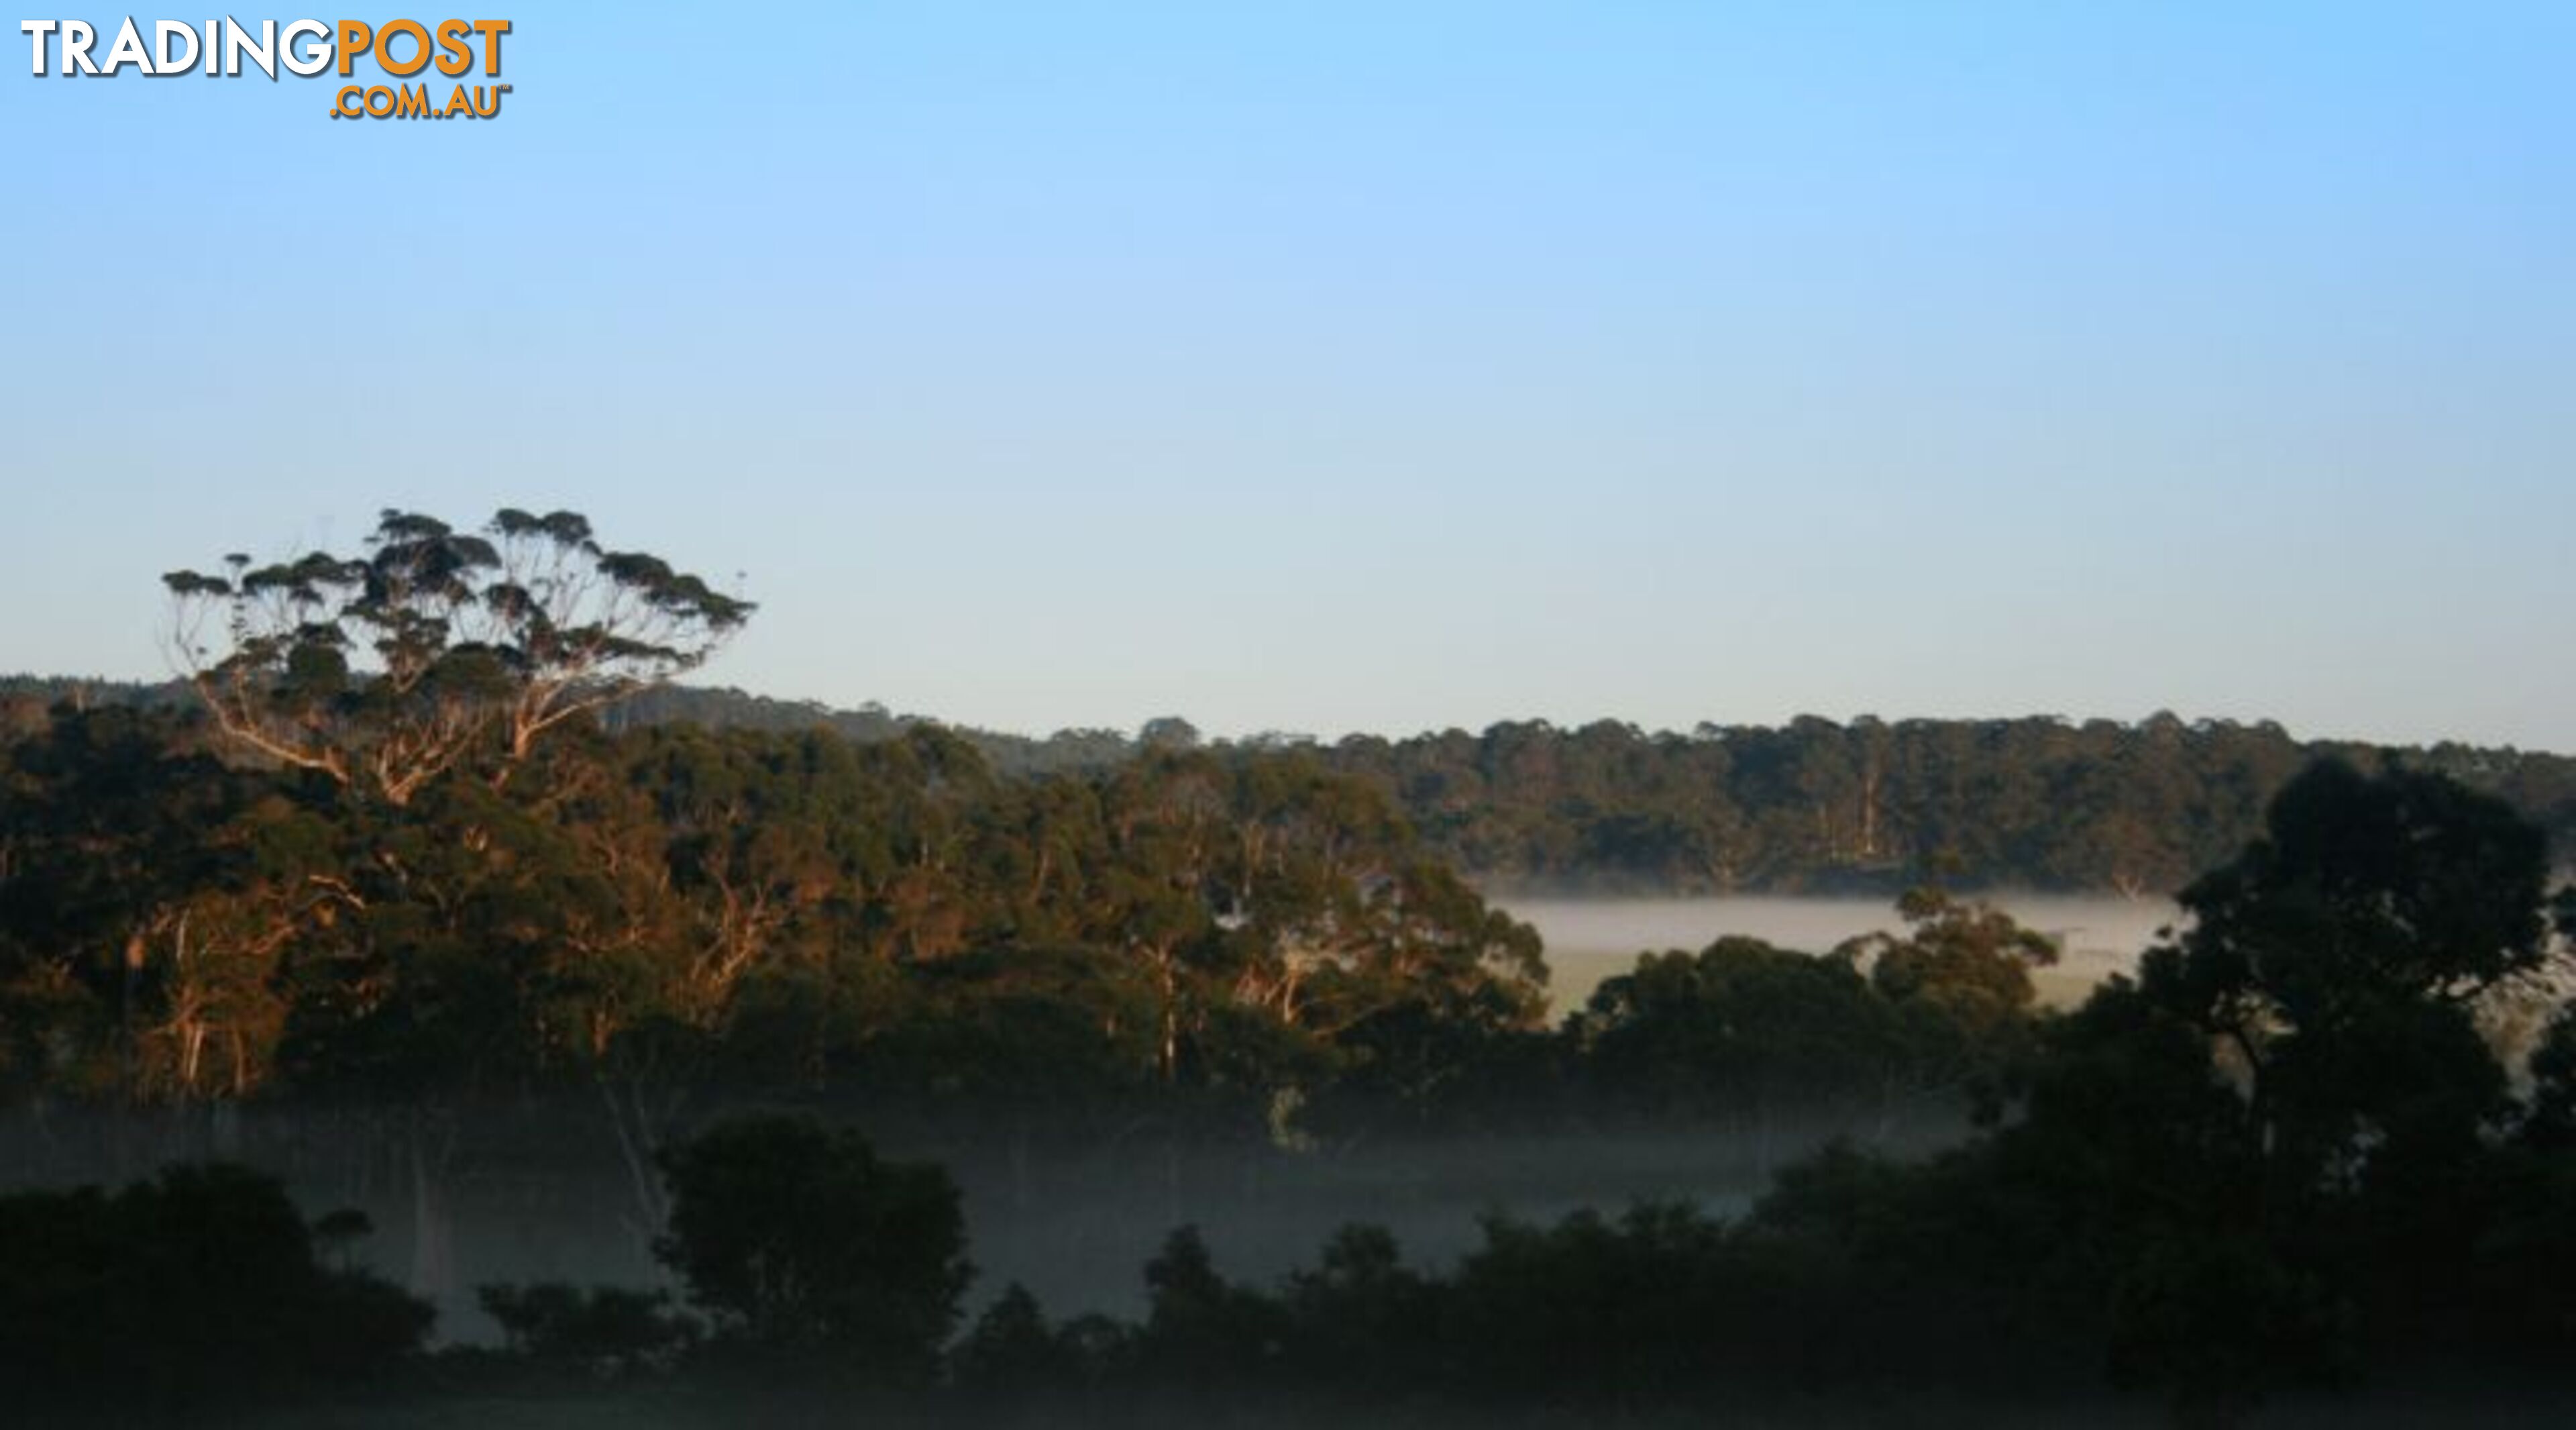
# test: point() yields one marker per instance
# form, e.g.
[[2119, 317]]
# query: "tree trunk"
[[433, 1260]]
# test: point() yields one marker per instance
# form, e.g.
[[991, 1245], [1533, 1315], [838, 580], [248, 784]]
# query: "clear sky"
[[1378, 365]]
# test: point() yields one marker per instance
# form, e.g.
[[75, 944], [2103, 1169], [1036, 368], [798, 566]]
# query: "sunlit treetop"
[[387, 669]]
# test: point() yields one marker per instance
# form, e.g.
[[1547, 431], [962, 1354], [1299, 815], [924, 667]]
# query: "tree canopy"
[[388, 668]]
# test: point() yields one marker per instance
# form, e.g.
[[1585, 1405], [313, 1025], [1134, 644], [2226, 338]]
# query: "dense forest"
[[392, 863], [2037, 803], [2033, 803], [1816, 806]]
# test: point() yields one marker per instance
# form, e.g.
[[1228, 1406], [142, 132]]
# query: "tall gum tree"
[[436, 647]]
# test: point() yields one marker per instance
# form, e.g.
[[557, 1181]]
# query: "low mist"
[[1591, 939]]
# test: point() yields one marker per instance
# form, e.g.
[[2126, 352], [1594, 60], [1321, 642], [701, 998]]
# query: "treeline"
[[1815, 806], [2036, 803], [1871, 806]]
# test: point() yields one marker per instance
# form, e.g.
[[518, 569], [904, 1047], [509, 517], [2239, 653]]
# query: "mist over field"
[[1589, 939]]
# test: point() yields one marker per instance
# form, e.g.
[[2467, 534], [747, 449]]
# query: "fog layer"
[[1589, 940]]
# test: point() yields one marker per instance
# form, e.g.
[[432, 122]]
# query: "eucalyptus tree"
[[2339, 959], [385, 670]]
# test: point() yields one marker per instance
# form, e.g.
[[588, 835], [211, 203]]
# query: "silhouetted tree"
[[598, 1332], [1200, 1329], [1012, 1350], [198, 1286], [795, 1237]]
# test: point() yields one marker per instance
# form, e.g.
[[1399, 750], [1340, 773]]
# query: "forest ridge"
[[1814, 806]]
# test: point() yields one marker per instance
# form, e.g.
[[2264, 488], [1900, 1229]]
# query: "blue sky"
[[1329, 366]]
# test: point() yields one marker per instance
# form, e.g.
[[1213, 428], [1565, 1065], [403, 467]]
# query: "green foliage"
[[796, 1238], [1742, 1028], [677, 906], [120, 837], [1740, 1025], [2039, 802], [2338, 958], [1820, 806], [1959, 983], [2365, 890]]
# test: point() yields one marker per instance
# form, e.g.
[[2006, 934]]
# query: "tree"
[[797, 1238], [603, 1332], [117, 850], [198, 1285], [1201, 1329], [1958, 982], [1361, 1317], [383, 671], [1013, 1351], [2346, 947], [1168, 732], [2321, 1191], [1740, 1027]]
